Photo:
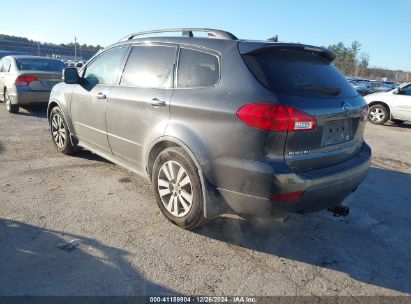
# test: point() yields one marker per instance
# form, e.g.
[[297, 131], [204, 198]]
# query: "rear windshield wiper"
[[323, 90]]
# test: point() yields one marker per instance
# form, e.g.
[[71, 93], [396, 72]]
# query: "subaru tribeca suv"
[[218, 124]]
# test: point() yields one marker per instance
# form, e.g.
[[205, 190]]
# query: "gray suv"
[[218, 124]]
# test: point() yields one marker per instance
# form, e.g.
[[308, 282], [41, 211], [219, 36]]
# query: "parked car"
[[79, 65], [394, 105], [390, 85], [27, 79], [219, 125], [363, 87], [381, 86]]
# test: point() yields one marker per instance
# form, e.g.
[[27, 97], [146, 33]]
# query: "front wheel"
[[378, 114], [11, 108], [60, 133], [178, 189]]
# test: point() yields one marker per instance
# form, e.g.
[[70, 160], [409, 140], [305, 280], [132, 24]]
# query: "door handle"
[[101, 96], [155, 102]]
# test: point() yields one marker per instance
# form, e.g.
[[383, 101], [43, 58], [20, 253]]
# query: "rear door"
[[307, 81], [89, 99], [402, 103], [138, 109]]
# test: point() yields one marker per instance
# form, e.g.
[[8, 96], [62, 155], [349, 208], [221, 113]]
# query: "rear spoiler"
[[249, 48]]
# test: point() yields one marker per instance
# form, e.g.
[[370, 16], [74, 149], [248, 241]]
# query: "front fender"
[[61, 96]]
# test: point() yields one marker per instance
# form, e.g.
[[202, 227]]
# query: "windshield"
[[297, 73], [47, 65]]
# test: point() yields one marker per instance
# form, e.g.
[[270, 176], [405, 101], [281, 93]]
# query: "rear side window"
[[298, 73], [197, 69], [47, 65], [150, 67], [406, 90], [5, 67]]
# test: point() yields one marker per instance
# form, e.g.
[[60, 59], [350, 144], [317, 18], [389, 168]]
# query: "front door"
[[138, 109], [90, 97], [402, 105]]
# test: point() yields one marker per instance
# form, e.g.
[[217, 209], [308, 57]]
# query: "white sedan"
[[394, 105]]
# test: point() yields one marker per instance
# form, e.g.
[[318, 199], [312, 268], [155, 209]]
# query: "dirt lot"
[[128, 248]]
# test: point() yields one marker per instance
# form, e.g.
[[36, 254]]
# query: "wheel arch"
[[163, 143], [373, 103], [54, 103], [214, 204]]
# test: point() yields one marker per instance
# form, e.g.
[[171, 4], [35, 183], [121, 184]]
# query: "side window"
[[105, 68], [5, 67], [149, 67], [407, 90], [197, 69]]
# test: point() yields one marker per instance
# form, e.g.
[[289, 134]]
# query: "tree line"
[[351, 62], [27, 46]]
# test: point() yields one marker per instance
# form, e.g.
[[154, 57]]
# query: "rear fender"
[[181, 135]]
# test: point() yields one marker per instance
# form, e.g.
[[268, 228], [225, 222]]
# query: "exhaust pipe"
[[339, 210]]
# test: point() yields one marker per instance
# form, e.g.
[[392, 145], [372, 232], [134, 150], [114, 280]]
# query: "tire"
[[60, 133], [11, 108], [378, 114], [175, 183]]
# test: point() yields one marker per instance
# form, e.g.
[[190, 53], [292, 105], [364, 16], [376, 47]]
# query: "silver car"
[[27, 79]]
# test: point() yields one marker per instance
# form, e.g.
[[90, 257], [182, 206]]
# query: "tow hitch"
[[339, 210]]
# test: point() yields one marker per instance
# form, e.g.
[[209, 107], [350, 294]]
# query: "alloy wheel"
[[377, 114], [175, 188], [58, 130]]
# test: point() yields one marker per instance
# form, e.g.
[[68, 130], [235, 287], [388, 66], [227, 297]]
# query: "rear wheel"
[[11, 108], [60, 133], [378, 114], [178, 189]]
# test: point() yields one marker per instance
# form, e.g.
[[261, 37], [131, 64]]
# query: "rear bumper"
[[322, 188], [25, 97]]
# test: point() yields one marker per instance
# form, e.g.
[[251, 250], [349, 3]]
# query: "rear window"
[[46, 65], [298, 73], [150, 67], [197, 69]]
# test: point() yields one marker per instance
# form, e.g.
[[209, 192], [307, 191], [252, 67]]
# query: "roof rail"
[[186, 32]]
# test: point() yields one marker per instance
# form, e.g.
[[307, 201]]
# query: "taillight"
[[277, 118], [288, 197], [25, 79]]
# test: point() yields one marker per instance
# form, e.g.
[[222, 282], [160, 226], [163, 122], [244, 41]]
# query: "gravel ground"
[[126, 247]]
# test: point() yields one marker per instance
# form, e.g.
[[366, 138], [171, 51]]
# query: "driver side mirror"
[[70, 76]]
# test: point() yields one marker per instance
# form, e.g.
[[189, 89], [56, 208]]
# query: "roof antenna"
[[273, 39]]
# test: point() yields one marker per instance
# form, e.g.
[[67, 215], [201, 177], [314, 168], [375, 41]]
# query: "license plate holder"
[[336, 132]]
